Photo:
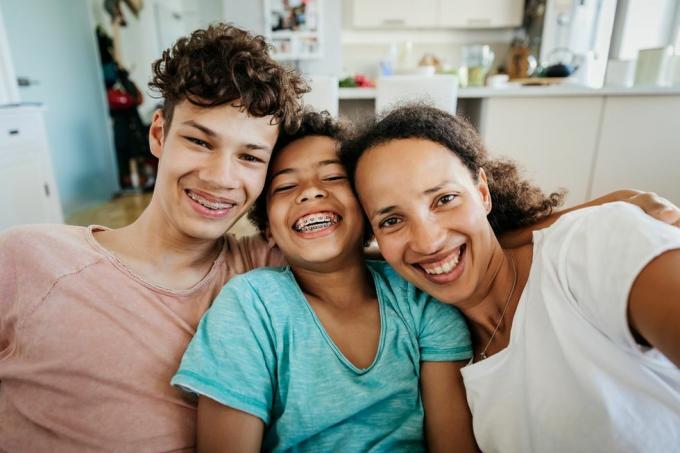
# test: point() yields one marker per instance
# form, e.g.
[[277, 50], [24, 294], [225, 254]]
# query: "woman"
[[575, 338]]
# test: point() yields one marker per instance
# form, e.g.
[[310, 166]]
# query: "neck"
[[493, 304], [342, 286], [157, 250]]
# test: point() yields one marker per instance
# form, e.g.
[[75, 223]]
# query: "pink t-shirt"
[[87, 348]]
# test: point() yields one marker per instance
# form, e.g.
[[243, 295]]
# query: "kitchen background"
[[585, 94]]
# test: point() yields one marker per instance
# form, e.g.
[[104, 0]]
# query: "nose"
[[222, 172], [311, 192], [427, 236]]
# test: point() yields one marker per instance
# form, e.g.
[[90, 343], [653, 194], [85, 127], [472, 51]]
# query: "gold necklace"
[[482, 355]]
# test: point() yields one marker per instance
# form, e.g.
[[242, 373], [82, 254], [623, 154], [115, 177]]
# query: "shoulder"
[[265, 285], [250, 252], [608, 224], [60, 247], [386, 275]]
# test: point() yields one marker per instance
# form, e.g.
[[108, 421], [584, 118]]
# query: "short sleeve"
[[252, 252], [443, 334], [601, 255], [232, 358]]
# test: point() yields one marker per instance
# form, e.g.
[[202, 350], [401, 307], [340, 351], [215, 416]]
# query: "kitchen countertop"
[[532, 91]]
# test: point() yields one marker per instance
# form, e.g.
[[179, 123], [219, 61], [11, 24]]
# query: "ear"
[[157, 133], [268, 236], [483, 187]]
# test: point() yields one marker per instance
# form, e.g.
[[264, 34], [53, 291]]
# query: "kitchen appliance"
[[584, 27]]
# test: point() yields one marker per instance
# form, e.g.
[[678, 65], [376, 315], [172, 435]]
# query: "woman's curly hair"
[[312, 124], [223, 64], [516, 202]]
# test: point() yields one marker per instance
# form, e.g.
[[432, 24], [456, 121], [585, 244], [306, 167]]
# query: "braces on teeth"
[[206, 203]]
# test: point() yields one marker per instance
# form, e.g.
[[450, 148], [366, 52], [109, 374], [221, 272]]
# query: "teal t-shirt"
[[261, 349]]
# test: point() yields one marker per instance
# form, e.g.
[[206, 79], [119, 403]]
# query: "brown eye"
[[446, 199], [389, 222]]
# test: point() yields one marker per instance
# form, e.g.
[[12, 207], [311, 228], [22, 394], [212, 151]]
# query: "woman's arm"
[[654, 305], [654, 205], [221, 428], [448, 423]]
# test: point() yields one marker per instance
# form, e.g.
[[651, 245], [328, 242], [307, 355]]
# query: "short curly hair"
[[516, 202], [223, 64], [312, 124]]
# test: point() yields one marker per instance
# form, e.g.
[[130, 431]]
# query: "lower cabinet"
[[552, 138], [28, 193], [589, 145], [639, 146]]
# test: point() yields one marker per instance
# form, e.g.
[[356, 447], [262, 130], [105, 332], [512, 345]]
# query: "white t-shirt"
[[572, 378]]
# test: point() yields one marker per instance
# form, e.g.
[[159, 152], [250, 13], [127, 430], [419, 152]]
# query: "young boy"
[[93, 322]]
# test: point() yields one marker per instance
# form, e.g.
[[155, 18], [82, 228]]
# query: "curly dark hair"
[[223, 64], [312, 124], [516, 202]]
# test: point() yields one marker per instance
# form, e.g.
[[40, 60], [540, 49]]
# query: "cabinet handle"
[[47, 189], [13, 132], [478, 21], [393, 22]]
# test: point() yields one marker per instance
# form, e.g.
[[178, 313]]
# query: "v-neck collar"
[[328, 338]]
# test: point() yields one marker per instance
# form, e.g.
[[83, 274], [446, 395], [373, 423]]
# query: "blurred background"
[[585, 94]]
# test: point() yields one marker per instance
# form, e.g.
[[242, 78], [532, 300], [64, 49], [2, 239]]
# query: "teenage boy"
[[93, 322]]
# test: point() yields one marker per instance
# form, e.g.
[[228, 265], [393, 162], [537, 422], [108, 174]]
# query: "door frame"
[[9, 90]]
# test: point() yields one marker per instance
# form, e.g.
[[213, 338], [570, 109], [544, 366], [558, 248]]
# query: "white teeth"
[[316, 221], [445, 267], [207, 203]]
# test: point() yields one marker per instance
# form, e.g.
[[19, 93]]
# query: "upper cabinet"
[[438, 13], [395, 13], [480, 13]]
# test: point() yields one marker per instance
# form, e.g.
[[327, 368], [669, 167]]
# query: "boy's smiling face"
[[313, 215], [212, 166]]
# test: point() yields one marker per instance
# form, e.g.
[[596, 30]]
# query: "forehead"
[[408, 166], [411, 156], [306, 152]]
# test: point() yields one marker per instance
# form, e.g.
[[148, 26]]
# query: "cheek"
[[276, 216], [390, 249], [253, 180]]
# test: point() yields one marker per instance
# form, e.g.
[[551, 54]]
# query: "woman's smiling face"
[[313, 215], [428, 215]]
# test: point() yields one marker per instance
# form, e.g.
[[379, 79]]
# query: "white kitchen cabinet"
[[28, 193], [552, 138], [394, 13], [639, 146], [480, 13]]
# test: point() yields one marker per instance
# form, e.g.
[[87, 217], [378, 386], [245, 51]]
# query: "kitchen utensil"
[[477, 59]]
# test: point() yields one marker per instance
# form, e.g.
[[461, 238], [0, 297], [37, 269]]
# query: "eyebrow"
[[322, 163], [212, 134], [388, 209], [206, 130]]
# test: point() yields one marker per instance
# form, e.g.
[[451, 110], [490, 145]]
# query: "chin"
[[201, 230]]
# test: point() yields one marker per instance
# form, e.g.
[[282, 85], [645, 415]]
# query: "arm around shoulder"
[[448, 422], [654, 304]]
